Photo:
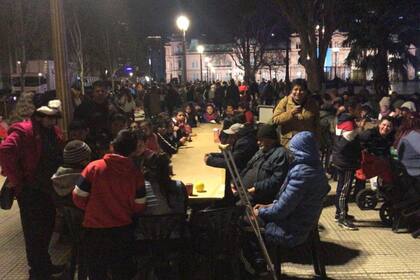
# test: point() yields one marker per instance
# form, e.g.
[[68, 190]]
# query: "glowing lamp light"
[[131, 74], [182, 22], [40, 75], [200, 48]]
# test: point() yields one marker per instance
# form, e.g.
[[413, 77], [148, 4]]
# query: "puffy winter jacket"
[[291, 217]]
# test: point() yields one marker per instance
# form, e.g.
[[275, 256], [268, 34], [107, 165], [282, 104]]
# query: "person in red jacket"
[[111, 191], [29, 156]]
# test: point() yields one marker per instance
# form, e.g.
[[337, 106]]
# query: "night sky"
[[157, 17]]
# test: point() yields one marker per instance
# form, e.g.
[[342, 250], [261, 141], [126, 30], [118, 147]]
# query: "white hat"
[[234, 128], [53, 108], [409, 105]]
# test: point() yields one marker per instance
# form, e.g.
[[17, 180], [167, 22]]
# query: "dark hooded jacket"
[[266, 172], [346, 147], [298, 205]]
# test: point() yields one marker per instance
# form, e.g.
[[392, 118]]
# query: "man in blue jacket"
[[296, 210]]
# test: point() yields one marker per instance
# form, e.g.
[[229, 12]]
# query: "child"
[[211, 115], [191, 115], [111, 190], [76, 156]]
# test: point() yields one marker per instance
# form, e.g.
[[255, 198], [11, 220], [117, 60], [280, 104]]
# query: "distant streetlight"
[[182, 22], [200, 49], [39, 78], [335, 50], [131, 74], [106, 72]]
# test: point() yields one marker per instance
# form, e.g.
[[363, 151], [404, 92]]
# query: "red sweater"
[[110, 191]]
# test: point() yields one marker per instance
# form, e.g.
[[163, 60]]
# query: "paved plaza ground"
[[373, 252]]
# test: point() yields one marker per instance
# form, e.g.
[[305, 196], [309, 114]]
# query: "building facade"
[[218, 62]]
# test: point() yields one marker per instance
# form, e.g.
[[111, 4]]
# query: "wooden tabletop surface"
[[189, 167]]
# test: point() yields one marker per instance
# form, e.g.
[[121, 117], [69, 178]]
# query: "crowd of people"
[[115, 164]]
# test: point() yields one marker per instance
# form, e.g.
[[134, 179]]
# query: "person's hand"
[[176, 128], [341, 109], [260, 206], [183, 140], [251, 190], [233, 188], [296, 110]]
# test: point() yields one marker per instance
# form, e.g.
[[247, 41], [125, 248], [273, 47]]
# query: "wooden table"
[[189, 167]]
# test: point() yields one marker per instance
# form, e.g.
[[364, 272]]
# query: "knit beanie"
[[75, 152], [267, 131]]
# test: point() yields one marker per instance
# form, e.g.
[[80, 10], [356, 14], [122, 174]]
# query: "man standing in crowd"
[[265, 172], [29, 156], [297, 112], [96, 111], [232, 94]]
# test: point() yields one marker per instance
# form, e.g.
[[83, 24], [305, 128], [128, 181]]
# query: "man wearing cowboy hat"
[[29, 156]]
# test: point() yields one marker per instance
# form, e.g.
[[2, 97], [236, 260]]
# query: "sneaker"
[[347, 224], [348, 217]]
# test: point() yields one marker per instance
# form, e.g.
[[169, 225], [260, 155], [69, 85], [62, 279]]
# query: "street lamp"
[[182, 22], [335, 50], [209, 66], [200, 49], [39, 78]]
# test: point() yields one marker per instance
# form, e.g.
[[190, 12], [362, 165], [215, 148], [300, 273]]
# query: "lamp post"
[[209, 66], [59, 46], [200, 49], [183, 23], [335, 50], [39, 78]]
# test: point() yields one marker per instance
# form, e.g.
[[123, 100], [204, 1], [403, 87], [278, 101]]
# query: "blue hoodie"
[[298, 205]]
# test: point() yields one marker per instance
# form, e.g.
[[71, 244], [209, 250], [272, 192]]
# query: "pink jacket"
[[20, 153]]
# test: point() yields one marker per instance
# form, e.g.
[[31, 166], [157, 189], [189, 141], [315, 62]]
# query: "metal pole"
[[59, 46], [201, 68], [335, 68], [184, 57]]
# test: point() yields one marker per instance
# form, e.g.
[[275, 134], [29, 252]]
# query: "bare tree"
[[77, 53], [315, 21]]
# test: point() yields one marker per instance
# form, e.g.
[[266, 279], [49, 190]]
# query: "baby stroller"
[[373, 166], [396, 189]]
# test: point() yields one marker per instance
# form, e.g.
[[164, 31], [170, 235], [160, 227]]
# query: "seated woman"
[[408, 145], [163, 195], [211, 115]]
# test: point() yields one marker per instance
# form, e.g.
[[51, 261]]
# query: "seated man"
[[295, 212], [244, 145], [265, 172]]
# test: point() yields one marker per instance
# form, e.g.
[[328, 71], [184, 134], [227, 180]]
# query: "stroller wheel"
[[386, 213], [366, 199]]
